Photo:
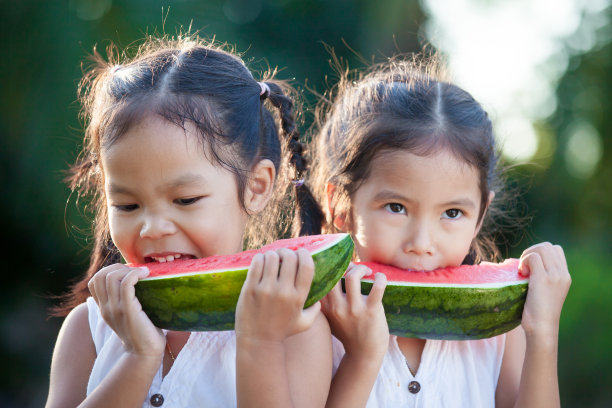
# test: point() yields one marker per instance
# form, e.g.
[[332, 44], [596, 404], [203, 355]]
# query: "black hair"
[[186, 80], [403, 103]]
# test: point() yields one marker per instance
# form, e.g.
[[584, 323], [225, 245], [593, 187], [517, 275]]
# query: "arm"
[[359, 323], [269, 312], [129, 381], [73, 358], [309, 364], [528, 377]]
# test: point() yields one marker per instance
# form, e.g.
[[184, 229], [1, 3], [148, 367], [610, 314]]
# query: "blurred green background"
[[45, 233]]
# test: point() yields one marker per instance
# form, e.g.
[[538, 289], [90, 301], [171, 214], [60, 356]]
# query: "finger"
[[113, 284], [378, 290], [335, 295], [360, 270], [270, 269], [562, 267], [97, 284], [557, 261], [531, 265], [324, 303], [255, 271], [306, 269], [127, 292], [288, 267], [547, 253], [352, 282], [92, 289]]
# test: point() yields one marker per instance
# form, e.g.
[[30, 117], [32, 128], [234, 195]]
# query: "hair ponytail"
[[308, 214]]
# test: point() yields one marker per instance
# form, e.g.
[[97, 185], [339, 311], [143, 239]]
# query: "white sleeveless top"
[[203, 374], [451, 374]]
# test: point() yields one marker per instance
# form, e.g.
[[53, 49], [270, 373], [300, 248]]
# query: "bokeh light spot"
[[89, 10], [517, 138], [511, 56], [583, 150], [242, 11]]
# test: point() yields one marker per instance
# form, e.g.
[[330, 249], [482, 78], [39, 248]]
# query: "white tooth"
[[177, 256], [169, 258], [161, 260]]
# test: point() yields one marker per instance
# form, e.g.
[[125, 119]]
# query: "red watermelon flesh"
[[484, 275], [240, 260]]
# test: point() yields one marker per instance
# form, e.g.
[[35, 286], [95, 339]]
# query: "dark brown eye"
[[395, 208], [453, 213]]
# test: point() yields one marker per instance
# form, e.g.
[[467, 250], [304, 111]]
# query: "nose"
[[419, 239], [156, 226]]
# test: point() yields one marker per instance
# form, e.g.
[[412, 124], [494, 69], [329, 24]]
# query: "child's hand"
[[549, 282], [112, 288], [358, 321], [271, 303]]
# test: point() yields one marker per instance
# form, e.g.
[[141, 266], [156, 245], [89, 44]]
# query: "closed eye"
[[188, 200], [126, 207], [395, 208], [453, 213]]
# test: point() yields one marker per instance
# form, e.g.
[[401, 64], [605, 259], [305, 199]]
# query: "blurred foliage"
[[43, 44]]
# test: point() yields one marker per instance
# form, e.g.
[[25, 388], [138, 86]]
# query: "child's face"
[[166, 199], [416, 212]]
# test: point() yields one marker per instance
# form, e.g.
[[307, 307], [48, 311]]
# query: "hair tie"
[[265, 90], [298, 183]]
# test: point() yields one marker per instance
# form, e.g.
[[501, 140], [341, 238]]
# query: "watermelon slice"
[[461, 303], [201, 294]]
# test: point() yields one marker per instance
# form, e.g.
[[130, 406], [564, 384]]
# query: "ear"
[[338, 219], [259, 187], [484, 213]]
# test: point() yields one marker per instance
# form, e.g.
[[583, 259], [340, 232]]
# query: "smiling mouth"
[[168, 258]]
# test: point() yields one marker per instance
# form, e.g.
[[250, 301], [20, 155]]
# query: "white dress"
[[451, 374], [203, 375]]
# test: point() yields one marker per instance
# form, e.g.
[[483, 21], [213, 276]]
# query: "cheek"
[[121, 229], [360, 228], [219, 229], [460, 247], [117, 232], [371, 239]]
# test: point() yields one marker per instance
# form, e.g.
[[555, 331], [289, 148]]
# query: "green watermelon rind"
[[452, 313], [207, 301]]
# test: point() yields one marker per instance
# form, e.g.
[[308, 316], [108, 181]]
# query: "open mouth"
[[168, 258]]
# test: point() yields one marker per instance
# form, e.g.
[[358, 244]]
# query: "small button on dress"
[[414, 387], [157, 400]]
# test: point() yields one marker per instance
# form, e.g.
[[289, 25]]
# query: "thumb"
[[324, 302], [308, 316], [143, 272]]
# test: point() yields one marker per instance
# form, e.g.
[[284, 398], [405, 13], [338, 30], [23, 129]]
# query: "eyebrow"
[[385, 195], [182, 180], [185, 179], [462, 202]]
